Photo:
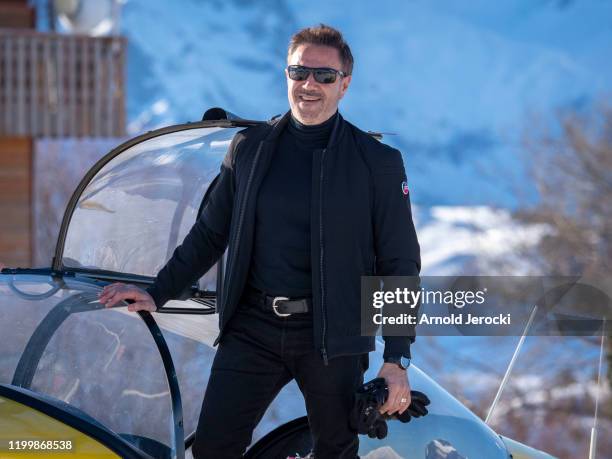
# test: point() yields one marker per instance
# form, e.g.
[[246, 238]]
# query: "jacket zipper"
[[239, 230], [321, 253]]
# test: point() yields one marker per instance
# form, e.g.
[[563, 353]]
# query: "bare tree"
[[571, 165], [572, 169]]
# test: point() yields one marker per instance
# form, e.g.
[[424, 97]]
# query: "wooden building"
[[51, 86]]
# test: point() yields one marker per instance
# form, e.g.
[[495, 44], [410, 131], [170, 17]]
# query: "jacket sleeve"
[[395, 240], [206, 241]]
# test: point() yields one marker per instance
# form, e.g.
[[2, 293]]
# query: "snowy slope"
[[455, 81]]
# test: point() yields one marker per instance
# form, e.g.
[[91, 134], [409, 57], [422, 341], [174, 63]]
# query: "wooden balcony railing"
[[55, 85]]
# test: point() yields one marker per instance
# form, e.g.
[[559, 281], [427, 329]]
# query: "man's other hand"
[[113, 293], [398, 400]]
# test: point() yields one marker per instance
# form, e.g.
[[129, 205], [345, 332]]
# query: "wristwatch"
[[399, 360]]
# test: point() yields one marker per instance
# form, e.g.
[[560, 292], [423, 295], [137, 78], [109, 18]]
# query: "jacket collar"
[[279, 124]]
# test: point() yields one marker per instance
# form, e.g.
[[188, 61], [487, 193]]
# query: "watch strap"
[[399, 360]]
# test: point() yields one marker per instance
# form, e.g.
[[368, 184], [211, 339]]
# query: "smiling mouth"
[[307, 98]]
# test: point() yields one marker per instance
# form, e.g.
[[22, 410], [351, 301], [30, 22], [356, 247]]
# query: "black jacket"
[[360, 224]]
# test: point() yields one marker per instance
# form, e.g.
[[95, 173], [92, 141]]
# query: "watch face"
[[405, 362]]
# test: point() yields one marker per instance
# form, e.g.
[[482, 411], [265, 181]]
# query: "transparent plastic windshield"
[[59, 342], [105, 363], [135, 211], [450, 430]]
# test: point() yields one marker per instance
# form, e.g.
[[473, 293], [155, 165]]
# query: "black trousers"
[[258, 355]]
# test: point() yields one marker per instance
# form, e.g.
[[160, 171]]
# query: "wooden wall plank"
[[16, 201]]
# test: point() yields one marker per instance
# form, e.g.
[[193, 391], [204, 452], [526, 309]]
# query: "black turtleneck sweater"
[[280, 262]]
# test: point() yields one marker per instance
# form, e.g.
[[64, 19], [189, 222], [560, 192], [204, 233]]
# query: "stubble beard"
[[310, 113]]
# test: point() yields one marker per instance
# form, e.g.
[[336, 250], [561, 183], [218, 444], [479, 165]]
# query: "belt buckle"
[[274, 306]]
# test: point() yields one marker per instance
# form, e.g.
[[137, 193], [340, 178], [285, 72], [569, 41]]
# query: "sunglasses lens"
[[298, 73], [321, 75], [325, 76]]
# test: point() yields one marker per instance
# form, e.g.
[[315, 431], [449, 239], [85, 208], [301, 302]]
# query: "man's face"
[[312, 102]]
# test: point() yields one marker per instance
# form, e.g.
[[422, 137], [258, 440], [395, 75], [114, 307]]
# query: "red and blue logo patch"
[[405, 188]]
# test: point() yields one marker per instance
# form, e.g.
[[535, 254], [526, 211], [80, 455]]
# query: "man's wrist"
[[153, 293], [399, 360]]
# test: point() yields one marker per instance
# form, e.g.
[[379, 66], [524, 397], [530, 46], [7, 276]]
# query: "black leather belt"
[[280, 305]]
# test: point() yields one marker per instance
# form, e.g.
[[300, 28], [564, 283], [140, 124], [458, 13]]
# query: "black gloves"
[[365, 417], [416, 409]]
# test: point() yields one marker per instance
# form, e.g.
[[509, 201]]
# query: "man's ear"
[[344, 84]]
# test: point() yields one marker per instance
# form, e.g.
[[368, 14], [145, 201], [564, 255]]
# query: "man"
[[307, 204]]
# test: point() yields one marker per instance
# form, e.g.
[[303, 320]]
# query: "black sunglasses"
[[323, 75]]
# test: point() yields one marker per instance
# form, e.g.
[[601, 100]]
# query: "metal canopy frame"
[[84, 302], [57, 263], [206, 298]]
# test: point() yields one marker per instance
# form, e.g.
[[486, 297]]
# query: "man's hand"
[[399, 389], [113, 293]]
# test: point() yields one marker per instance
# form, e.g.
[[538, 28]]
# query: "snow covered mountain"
[[456, 82]]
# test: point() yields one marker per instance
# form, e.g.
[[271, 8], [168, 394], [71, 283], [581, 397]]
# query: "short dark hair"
[[324, 35]]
